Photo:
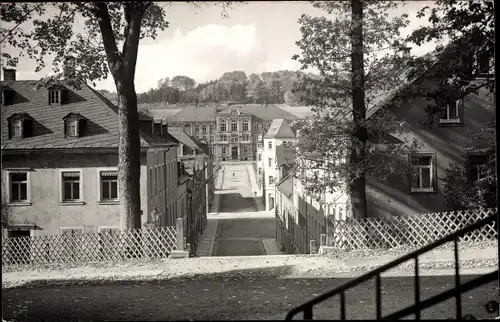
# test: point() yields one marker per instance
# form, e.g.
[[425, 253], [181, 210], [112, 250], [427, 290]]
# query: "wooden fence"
[[415, 230], [115, 245]]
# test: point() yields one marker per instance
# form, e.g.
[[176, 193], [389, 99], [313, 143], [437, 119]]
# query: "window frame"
[[459, 106], [469, 163], [245, 126], [223, 126], [432, 172], [26, 202], [81, 199], [101, 199], [55, 96], [270, 145], [245, 149], [234, 128]]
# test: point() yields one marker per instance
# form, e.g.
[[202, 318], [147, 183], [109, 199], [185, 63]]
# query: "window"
[[484, 60], [16, 129], [423, 178], [187, 129], [245, 125], [271, 180], [478, 167], [213, 150], [204, 137], [204, 128], [212, 138], [71, 186], [270, 145], [270, 162], [246, 137], [196, 129], [255, 126], [193, 151], [210, 128], [55, 96], [223, 150], [109, 185], [18, 187], [234, 126], [234, 140], [20, 125], [245, 149], [223, 138], [452, 113], [73, 125], [223, 126]]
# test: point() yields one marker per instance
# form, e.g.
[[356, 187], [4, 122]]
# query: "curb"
[[213, 239]]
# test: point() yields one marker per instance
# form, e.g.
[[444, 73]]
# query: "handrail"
[[307, 307]]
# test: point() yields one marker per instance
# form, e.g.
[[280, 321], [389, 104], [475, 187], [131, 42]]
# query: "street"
[[239, 237], [219, 297]]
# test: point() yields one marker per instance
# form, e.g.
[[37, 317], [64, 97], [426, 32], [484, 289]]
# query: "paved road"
[[236, 194], [222, 298], [242, 237]]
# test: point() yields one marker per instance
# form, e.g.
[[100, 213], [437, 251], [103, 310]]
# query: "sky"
[[257, 37]]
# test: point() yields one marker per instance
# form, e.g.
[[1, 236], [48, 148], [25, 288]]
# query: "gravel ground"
[[223, 297]]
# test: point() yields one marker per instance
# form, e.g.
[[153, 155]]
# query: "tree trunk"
[[357, 184], [129, 162]]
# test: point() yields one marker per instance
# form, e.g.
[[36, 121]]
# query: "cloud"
[[204, 53]]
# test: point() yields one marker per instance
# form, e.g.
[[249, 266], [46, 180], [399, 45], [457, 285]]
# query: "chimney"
[[69, 66], [406, 52], [158, 127], [164, 127], [9, 74]]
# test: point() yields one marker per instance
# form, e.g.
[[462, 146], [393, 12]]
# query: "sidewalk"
[[207, 240], [255, 187], [214, 209]]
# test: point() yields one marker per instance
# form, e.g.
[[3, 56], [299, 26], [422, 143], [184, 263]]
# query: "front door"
[[234, 153]]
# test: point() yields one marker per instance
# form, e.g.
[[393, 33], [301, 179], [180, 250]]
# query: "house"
[[304, 215], [193, 153], [230, 131], [60, 158], [274, 155]]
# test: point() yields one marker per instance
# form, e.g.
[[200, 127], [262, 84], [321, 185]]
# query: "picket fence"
[[415, 230], [114, 245]]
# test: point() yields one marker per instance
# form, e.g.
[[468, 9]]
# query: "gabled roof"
[[183, 138], [195, 114], [48, 125], [265, 113], [286, 186], [279, 129]]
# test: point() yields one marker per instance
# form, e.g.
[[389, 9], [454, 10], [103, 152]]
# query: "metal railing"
[[307, 308]]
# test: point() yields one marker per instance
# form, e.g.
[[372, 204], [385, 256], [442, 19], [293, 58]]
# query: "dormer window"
[[452, 113], [74, 125], [20, 126], [56, 95]]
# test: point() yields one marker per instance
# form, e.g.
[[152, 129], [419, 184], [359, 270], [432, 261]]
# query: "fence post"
[[180, 234], [180, 251], [312, 247], [323, 240]]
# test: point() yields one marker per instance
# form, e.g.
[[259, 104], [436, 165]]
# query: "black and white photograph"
[[249, 160]]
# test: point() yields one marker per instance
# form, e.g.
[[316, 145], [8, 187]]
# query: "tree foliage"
[[265, 88], [107, 44], [468, 26], [329, 139]]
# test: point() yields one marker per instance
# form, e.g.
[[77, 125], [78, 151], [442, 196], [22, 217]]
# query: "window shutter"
[[48, 96], [10, 129], [461, 109], [60, 93], [65, 128], [434, 172]]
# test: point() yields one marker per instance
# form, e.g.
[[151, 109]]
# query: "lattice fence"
[[115, 245], [416, 230]]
